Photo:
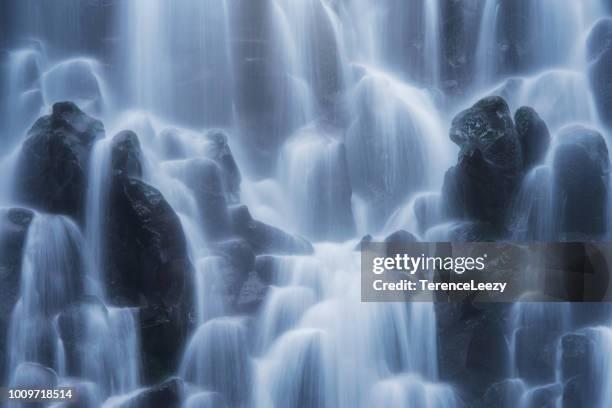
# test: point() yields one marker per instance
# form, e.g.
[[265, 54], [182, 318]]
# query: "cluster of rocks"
[[496, 153], [497, 150], [145, 261]]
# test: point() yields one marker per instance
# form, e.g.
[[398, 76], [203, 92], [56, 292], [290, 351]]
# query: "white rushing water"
[[344, 103]]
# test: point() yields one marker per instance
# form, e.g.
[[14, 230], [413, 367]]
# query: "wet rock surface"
[[480, 187], [53, 164], [580, 167]]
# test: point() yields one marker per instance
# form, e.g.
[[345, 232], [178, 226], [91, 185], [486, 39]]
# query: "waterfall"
[[51, 278], [400, 115], [602, 366], [534, 213], [486, 52], [432, 42], [51, 311], [23, 95], [313, 168], [329, 120], [97, 202], [218, 358]]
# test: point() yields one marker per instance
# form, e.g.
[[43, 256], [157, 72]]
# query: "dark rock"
[[204, 177], [599, 45], [53, 164], [487, 126], [266, 239], [147, 265], [472, 347], [580, 171], [126, 155], [481, 186], [14, 225], [164, 331], [218, 150], [535, 354], [533, 134], [487, 353], [577, 353], [167, 394], [147, 254]]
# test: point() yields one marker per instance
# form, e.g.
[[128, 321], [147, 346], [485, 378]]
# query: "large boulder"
[[481, 185], [147, 252], [580, 168], [147, 265], [14, 225], [266, 239], [533, 134], [53, 164], [599, 54]]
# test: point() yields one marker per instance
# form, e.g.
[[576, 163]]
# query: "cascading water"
[[337, 114]]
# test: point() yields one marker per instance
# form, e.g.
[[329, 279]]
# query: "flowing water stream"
[[315, 95]]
